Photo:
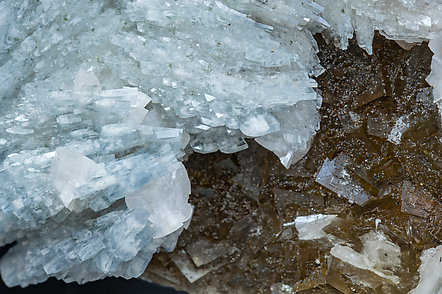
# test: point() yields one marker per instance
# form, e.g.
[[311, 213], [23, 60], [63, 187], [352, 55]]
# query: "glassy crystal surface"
[[64, 201], [290, 234], [103, 100]]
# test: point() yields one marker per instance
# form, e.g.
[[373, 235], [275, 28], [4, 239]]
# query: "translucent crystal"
[[378, 255], [334, 176], [435, 76], [430, 272], [400, 126], [188, 269], [310, 227], [410, 21], [100, 99], [89, 149]]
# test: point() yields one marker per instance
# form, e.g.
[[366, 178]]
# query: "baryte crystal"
[[435, 76], [72, 170], [400, 126], [380, 126], [416, 200], [259, 124], [334, 176], [67, 213], [410, 21], [186, 266], [310, 227], [168, 212], [203, 251], [378, 255], [92, 183], [430, 272]]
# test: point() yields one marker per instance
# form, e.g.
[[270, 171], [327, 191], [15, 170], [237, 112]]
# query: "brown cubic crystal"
[[381, 131]]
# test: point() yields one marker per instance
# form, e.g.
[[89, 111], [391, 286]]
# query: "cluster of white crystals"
[[430, 272], [63, 199], [101, 98], [435, 77]]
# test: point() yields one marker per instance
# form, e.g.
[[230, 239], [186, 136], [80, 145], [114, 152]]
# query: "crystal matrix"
[[98, 101], [282, 224], [101, 99]]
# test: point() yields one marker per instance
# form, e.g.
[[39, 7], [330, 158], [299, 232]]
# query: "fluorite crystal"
[[102, 100], [287, 233]]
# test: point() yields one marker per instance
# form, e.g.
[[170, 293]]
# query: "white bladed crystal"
[[379, 255], [165, 200], [90, 172], [430, 272], [71, 170], [310, 227]]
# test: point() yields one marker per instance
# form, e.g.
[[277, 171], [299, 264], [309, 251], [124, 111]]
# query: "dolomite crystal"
[[101, 98]]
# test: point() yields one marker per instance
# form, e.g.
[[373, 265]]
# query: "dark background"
[[109, 285]]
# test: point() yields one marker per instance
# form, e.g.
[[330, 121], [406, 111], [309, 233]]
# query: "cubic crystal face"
[[100, 100]]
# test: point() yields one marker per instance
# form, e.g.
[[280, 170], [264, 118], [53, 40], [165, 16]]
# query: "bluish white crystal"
[[62, 200], [410, 21], [100, 99], [334, 176], [435, 77]]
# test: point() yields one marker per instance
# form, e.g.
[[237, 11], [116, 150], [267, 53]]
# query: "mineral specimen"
[[430, 272], [284, 224], [378, 255], [101, 99], [62, 200], [335, 177]]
